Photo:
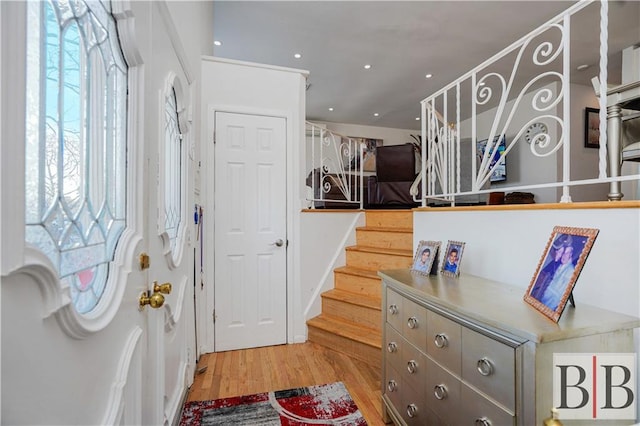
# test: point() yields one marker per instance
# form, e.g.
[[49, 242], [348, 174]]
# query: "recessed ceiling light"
[[417, 118], [368, 66], [297, 56], [375, 114], [217, 43], [330, 108], [428, 76], [582, 67]]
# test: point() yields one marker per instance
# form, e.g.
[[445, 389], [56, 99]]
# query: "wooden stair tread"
[[367, 273], [353, 298], [384, 229], [358, 333], [381, 250]]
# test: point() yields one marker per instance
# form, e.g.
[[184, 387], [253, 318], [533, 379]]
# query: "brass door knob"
[[156, 300]]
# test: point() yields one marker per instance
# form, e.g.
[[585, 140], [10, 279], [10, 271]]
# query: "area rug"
[[328, 404]]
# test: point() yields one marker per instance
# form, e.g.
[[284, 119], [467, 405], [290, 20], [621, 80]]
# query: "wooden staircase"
[[351, 321]]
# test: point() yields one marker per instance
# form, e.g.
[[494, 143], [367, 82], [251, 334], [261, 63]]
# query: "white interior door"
[[250, 231]]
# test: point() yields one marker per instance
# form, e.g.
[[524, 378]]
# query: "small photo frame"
[[558, 269], [452, 258], [591, 127], [425, 261]]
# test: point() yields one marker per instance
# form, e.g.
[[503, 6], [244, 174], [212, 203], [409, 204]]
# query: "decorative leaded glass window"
[[173, 171], [76, 142]]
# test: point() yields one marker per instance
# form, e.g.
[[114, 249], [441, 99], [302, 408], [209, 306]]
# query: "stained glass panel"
[[173, 170], [76, 146]]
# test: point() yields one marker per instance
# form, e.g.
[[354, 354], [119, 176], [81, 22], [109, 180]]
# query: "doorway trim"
[[293, 135]]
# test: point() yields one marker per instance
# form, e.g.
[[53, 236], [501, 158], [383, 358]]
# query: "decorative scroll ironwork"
[[494, 104], [336, 163]]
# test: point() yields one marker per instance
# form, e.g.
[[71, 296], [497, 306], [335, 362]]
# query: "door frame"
[[205, 324]]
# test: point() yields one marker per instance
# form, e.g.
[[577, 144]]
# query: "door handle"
[[155, 300], [278, 243]]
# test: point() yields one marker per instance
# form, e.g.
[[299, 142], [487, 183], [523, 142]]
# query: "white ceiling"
[[402, 41]]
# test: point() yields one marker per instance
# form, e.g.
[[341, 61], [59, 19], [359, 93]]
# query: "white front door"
[[113, 363], [250, 231], [169, 209]]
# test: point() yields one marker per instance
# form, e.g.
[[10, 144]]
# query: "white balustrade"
[[502, 98], [335, 168]]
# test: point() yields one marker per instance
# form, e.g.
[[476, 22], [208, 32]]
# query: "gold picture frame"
[[558, 269]]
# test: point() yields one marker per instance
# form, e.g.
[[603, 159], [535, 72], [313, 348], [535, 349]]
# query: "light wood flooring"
[[249, 371]]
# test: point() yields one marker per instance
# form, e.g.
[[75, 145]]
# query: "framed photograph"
[[368, 155], [452, 258], [425, 261], [592, 127], [558, 269]]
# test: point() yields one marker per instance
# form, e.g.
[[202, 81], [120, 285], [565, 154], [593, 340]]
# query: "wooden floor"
[[271, 368]]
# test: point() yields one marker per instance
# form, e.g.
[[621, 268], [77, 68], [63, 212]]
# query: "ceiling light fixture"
[[217, 43], [297, 56], [367, 67], [330, 108], [375, 114], [428, 76], [417, 118]]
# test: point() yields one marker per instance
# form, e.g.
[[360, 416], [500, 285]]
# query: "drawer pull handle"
[[412, 367], [392, 347], [441, 340], [392, 386], [482, 422], [485, 367], [440, 392], [393, 309], [412, 322], [412, 410]]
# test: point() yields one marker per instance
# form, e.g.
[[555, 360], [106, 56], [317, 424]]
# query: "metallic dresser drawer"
[[442, 394], [393, 384], [478, 410], [444, 341], [489, 365], [393, 345], [414, 327], [415, 367], [412, 408], [394, 313]]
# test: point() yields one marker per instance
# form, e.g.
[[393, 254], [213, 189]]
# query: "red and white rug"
[[328, 404]]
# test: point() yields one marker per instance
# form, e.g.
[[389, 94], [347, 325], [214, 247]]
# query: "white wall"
[[324, 237]]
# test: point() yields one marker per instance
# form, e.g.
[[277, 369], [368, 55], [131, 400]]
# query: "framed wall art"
[[592, 127], [558, 269], [368, 159]]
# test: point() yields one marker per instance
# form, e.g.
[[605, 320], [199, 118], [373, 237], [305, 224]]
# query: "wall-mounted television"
[[499, 173]]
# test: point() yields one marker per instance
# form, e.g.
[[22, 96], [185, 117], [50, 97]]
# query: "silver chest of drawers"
[[469, 351]]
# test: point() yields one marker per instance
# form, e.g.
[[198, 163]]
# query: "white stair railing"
[[335, 168], [501, 98]]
